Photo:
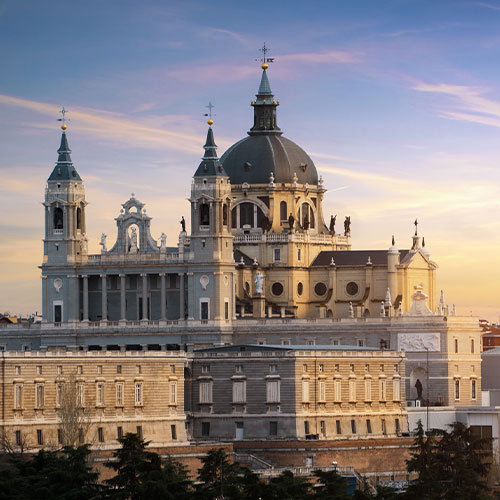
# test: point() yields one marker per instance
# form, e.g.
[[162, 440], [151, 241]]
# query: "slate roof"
[[210, 165], [267, 347], [64, 169], [246, 259], [253, 158], [354, 257]]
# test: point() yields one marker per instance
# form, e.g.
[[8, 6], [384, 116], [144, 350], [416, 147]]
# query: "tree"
[[141, 474], [74, 417], [286, 486], [64, 474], [331, 486]]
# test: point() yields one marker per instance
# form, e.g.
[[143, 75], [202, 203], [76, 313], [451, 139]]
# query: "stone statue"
[[103, 242], [333, 219], [291, 221], [259, 282], [418, 386], [163, 242], [305, 223], [133, 241], [347, 226], [183, 224], [84, 245]]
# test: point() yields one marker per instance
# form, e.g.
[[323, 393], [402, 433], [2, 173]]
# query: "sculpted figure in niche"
[[133, 240], [291, 221], [333, 219], [84, 245], [259, 282], [103, 242], [418, 386], [347, 226], [305, 224]]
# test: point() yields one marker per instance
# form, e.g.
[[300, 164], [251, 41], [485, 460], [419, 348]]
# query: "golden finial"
[[209, 114], [265, 66], [63, 119]]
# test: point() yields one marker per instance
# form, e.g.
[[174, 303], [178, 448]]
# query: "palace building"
[[261, 287]]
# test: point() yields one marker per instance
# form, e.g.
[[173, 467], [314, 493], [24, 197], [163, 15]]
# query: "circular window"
[[352, 288], [247, 287], [300, 288], [320, 289], [277, 288]]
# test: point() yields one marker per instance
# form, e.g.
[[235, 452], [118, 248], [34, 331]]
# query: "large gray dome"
[[253, 159]]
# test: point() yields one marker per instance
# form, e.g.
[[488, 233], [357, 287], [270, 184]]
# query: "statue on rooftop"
[[347, 225], [333, 219], [103, 242], [183, 224]]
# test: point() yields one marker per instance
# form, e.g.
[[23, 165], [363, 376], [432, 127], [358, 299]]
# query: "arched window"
[[58, 218], [79, 218], [204, 215], [224, 214], [248, 215], [306, 216], [283, 211]]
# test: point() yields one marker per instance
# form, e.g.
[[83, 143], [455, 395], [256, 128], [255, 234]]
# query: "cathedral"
[[260, 322]]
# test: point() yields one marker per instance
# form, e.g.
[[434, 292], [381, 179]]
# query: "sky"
[[396, 101]]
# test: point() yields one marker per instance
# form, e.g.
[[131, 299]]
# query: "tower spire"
[[264, 107], [210, 164]]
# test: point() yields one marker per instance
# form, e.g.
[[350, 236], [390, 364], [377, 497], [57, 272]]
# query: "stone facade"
[[120, 392]]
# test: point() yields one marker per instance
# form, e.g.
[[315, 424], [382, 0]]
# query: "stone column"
[[163, 298], [85, 297], [218, 315], [144, 296], [190, 295], [123, 302], [181, 296], [104, 296]]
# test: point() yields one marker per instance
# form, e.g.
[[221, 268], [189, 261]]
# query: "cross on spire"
[[209, 114], [416, 227], [63, 119], [265, 59]]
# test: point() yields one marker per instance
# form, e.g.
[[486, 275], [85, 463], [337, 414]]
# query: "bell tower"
[[65, 241], [211, 238]]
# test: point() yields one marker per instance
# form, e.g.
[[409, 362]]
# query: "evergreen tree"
[[287, 487], [331, 486]]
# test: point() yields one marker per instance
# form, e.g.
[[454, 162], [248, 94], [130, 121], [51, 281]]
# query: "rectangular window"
[[173, 432], [353, 426], [306, 427], [40, 395], [304, 368], [18, 370], [368, 389], [239, 391], [19, 438], [322, 428], [79, 369], [352, 390], [337, 386], [311, 342], [299, 254], [206, 392], [19, 396], [338, 426], [361, 343], [39, 369], [205, 429], [100, 435], [472, 346], [367, 368], [119, 432], [172, 368], [57, 313], [173, 393], [273, 368], [99, 369], [351, 367], [382, 368], [396, 368], [305, 391], [100, 394], [396, 423], [138, 369], [205, 368], [138, 394], [273, 428], [457, 389], [335, 342], [118, 369], [273, 391], [238, 368], [322, 391], [321, 368], [456, 346], [396, 389], [226, 309], [80, 436], [80, 394], [473, 389], [138, 431], [39, 437], [59, 370], [204, 310], [119, 394], [384, 428], [59, 436], [277, 255], [368, 426], [383, 389]]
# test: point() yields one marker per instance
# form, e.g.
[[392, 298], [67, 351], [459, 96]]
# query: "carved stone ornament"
[[204, 281], [58, 284], [259, 282], [418, 342], [419, 305]]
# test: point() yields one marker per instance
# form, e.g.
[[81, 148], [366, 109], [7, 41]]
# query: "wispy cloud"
[[486, 5], [118, 127], [465, 103], [331, 56], [222, 33]]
